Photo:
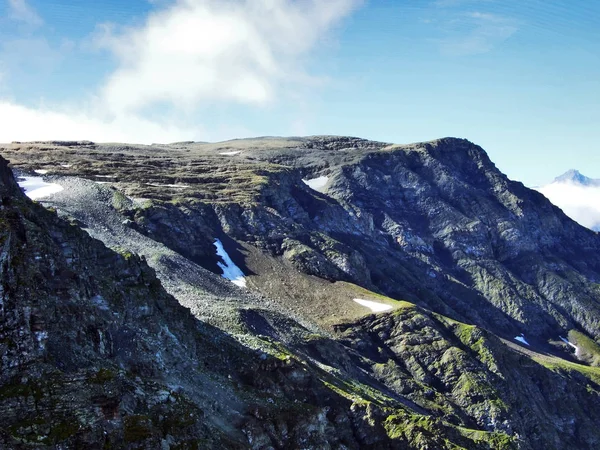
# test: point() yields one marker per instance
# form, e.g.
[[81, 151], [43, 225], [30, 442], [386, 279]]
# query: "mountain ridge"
[[466, 258]]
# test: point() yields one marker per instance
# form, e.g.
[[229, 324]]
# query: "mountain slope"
[[95, 354], [475, 255]]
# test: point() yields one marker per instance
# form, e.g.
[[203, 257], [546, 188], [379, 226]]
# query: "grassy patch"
[[568, 368], [137, 428], [588, 348], [103, 376]]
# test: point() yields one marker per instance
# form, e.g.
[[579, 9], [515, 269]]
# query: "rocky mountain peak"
[[575, 177]]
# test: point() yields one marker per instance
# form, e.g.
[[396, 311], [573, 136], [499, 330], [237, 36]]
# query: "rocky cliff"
[[143, 344]]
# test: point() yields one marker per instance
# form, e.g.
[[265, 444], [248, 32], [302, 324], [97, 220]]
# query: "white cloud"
[[20, 123], [20, 11], [580, 203], [185, 57], [476, 33], [203, 51]]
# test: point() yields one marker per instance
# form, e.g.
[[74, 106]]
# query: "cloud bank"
[[476, 33], [20, 123], [188, 55], [580, 203]]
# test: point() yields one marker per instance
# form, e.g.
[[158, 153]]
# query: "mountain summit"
[[576, 177]]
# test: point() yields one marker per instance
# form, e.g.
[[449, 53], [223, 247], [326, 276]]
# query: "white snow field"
[[36, 188], [230, 153], [566, 341], [230, 271], [317, 183], [178, 186], [521, 339], [373, 306]]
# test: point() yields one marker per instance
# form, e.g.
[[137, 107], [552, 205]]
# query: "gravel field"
[[209, 296]]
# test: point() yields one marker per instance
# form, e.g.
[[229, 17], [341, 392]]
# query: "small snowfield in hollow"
[[317, 183], [373, 306], [569, 343], [522, 339], [36, 188], [230, 271]]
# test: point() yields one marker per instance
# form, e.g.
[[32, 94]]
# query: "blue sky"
[[521, 79]]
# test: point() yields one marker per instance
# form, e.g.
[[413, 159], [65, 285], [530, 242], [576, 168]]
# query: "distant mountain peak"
[[576, 177]]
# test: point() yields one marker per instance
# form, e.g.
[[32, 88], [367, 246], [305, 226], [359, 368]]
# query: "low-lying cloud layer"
[[581, 203], [20, 123]]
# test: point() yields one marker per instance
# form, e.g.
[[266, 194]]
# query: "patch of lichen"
[[418, 431], [137, 428], [474, 387], [354, 390], [43, 430], [474, 338], [62, 431], [493, 440], [125, 253], [16, 388], [103, 375], [120, 200], [175, 416], [33, 430]]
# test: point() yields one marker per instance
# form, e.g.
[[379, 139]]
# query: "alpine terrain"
[[274, 293]]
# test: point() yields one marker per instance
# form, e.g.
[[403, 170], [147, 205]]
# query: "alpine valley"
[[279, 293]]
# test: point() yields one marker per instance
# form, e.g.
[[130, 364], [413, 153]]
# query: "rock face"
[[143, 345]]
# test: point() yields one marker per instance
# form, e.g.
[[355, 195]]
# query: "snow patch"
[[522, 339], [317, 183], [230, 271], [36, 188], [66, 165], [41, 171], [179, 186], [566, 341], [373, 306], [230, 153]]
